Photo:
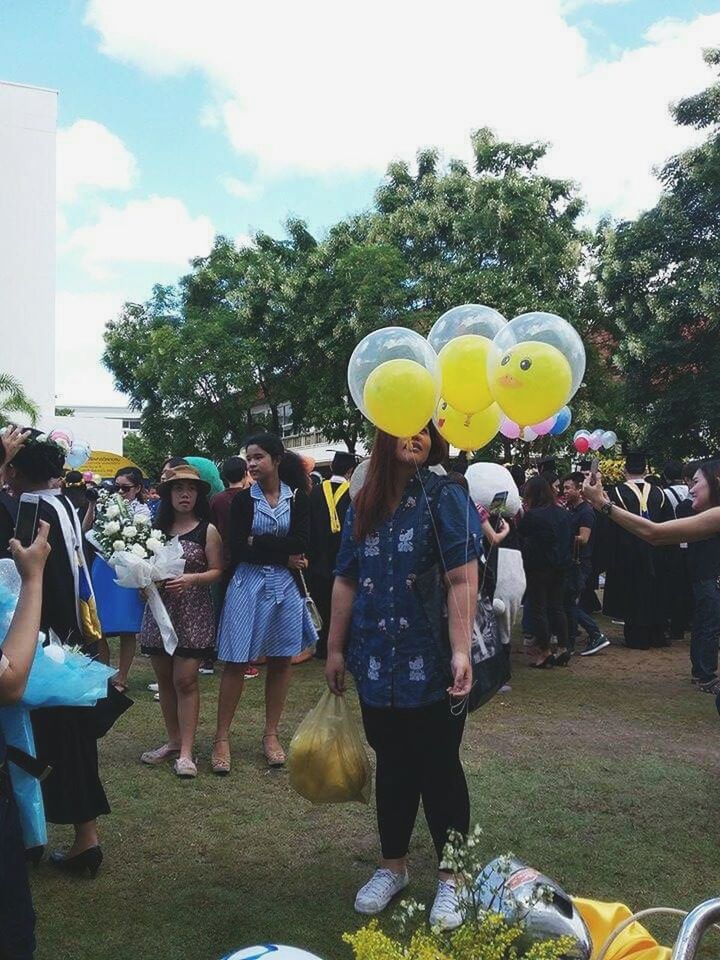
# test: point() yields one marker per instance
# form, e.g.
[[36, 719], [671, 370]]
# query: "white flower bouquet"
[[140, 556]]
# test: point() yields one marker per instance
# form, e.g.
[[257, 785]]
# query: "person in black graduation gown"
[[329, 503], [634, 581], [65, 737]]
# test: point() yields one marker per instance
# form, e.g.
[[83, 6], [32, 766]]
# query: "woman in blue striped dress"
[[265, 613]]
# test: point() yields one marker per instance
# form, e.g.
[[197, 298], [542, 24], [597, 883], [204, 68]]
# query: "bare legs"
[[277, 682], [179, 699], [231, 687], [127, 653]]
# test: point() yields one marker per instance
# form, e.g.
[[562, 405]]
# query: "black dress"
[[324, 546], [633, 581], [65, 737]]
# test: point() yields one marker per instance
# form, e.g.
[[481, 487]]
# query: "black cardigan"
[[267, 548]]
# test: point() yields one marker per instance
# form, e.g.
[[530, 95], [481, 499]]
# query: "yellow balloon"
[[467, 431], [399, 397], [530, 381], [464, 365]]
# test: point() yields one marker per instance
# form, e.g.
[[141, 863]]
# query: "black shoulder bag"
[[490, 663]]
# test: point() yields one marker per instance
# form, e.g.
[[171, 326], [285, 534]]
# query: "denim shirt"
[[392, 653]]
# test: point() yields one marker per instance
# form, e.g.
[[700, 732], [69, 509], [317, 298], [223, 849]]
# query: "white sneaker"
[[446, 912], [153, 687], [379, 891]]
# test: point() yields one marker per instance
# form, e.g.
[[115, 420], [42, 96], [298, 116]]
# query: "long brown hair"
[[373, 504]]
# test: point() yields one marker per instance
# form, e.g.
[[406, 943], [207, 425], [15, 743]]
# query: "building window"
[[285, 416], [131, 424]]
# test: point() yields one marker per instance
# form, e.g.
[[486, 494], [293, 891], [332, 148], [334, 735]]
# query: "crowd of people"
[[258, 545]]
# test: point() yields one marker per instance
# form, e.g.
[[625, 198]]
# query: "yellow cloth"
[[332, 498], [634, 943]]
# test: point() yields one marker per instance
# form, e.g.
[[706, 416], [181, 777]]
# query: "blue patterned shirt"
[[392, 653]]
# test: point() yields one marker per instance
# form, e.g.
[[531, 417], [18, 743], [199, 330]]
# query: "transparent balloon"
[[596, 439], [540, 365], [609, 439], [394, 380], [467, 431], [470, 318], [462, 338], [529, 435]]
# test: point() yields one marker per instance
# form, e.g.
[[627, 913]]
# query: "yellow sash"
[[332, 498]]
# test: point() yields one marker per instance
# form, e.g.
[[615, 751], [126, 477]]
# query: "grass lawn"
[[604, 775]]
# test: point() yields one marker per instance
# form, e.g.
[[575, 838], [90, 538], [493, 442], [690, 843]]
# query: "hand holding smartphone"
[[26, 525], [594, 470]]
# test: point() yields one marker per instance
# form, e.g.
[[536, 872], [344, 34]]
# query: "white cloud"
[[90, 156], [319, 86], [242, 189], [159, 230], [80, 320]]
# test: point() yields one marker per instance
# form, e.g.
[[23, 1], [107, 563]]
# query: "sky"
[[181, 120]]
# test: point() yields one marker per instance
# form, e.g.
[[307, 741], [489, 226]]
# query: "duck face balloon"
[[530, 381], [539, 365]]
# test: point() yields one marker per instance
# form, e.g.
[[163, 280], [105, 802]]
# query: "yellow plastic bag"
[[327, 759]]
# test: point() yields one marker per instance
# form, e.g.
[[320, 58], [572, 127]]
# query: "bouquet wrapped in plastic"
[[139, 555], [327, 759], [59, 677]]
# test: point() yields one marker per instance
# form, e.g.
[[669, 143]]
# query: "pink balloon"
[[581, 444], [544, 427], [509, 429], [88, 476]]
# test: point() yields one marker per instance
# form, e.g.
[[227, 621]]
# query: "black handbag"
[[490, 662]]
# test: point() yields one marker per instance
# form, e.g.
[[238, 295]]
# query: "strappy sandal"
[[220, 765], [275, 758]]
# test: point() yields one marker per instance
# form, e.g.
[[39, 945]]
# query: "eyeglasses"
[[120, 487]]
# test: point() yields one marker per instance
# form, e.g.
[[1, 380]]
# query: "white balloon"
[[528, 435], [270, 951], [609, 439], [485, 480]]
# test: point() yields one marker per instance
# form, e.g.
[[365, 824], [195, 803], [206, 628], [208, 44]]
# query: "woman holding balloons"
[[404, 521], [409, 536]]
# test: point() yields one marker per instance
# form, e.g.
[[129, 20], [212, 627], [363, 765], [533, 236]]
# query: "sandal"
[[562, 659], [120, 687], [159, 755], [185, 768], [220, 765], [275, 758]]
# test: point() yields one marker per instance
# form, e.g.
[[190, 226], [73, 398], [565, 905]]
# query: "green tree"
[[659, 288], [15, 403]]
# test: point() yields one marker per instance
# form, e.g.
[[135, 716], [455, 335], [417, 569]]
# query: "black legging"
[[418, 755], [546, 593]]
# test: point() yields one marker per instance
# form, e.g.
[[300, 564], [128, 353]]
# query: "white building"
[[28, 119]]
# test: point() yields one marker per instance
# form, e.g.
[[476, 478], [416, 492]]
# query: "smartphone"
[[497, 504], [28, 517], [594, 469]]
